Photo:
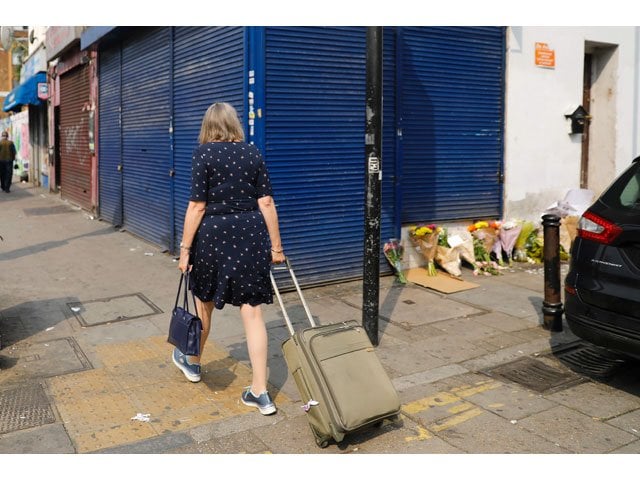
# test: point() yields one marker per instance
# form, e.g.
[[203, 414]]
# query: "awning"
[[25, 94]]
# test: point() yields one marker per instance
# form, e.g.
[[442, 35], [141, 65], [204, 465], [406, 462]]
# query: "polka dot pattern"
[[231, 253]]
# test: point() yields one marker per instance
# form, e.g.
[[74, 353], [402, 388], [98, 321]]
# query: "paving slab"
[[604, 402], [401, 360], [577, 432], [161, 444], [633, 448], [45, 439], [517, 302], [238, 443], [512, 402], [629, 422], [507, 323], [412, 306], [403, 436], [489, 433]]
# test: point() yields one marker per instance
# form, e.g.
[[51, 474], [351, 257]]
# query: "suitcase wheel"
[[322, 442]]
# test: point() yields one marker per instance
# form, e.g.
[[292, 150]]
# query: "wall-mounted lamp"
[[577, 118]]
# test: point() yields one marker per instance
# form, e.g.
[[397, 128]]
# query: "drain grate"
[[589, 360], [24, 407], [113, 309], [536, 375]]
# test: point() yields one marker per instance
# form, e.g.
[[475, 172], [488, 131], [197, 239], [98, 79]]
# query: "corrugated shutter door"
[[110, 143], [146, 101], [388, 212], [314, 146], [212, 72], [452, 118], [75, 156]]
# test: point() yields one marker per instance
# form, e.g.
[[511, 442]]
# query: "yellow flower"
[[482, 224]]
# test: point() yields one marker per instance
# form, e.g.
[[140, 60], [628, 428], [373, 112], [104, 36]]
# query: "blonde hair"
[[221, 124]]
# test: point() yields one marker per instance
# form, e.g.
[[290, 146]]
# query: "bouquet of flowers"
[[484, 265], [485, 240], [425, 237], [393, 252], [447, 256]]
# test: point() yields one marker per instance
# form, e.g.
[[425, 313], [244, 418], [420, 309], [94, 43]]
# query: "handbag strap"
[[193, 295], [182, 280], [186, 279]]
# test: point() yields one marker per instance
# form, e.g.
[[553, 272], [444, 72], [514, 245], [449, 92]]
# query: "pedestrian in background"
[[7, 157], [230, 238]]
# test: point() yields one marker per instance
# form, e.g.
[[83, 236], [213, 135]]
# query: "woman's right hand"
[[183, 263]]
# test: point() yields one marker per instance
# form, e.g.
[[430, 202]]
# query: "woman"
[[230, 238]]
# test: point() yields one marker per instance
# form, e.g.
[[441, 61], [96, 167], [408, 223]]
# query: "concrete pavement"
[[85, 366]]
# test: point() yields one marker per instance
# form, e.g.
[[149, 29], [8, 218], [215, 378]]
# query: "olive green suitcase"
[[341, 381]]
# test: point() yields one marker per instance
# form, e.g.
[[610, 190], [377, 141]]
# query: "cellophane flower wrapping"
[[508, 234], [425, 238], [527, 229], [393, 252], [449, 260]]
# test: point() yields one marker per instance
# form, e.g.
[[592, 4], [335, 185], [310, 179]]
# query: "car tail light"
[[570, 290], [598, 229]]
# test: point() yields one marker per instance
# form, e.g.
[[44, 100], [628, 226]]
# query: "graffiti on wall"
[[19, 133]]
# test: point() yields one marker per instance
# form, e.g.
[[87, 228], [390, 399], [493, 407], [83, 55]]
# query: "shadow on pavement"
[[44, 246], [24, 320]]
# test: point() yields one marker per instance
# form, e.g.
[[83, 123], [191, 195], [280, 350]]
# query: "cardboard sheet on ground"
[[442, 282]]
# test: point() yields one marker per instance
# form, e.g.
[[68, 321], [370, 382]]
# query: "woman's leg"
[[257, 344], [204, 310]]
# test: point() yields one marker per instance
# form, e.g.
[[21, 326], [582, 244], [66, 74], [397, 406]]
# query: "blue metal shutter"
[[390, 222], [209, 67], [314, 146], [146, 103], [452, 117], [110, 140]]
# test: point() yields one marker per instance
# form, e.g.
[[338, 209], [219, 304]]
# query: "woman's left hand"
[[277, 257]]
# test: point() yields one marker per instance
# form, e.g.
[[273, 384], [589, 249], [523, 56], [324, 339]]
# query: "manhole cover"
[[589, 360], [47, 210], [536, 375], [50, 358], [113, 309], [24, 407]]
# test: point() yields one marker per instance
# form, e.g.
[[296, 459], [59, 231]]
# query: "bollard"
[[552, 305]]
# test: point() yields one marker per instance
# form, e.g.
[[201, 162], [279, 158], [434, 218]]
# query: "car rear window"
[[624, 192]]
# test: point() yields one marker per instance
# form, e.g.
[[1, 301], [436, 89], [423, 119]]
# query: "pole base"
[[552, 316]]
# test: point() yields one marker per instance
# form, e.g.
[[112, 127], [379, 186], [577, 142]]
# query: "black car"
[[602, 288]]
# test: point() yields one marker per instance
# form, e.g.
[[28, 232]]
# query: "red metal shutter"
[[75, 156]]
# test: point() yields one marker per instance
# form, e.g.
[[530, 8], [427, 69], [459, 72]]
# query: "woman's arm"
[[192, 219], [268, 209]]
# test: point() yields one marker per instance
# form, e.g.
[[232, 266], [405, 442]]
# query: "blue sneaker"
[[262, 402], [190, 370]]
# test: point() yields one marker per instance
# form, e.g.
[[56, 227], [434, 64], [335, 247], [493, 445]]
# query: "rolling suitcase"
[[340, 379]]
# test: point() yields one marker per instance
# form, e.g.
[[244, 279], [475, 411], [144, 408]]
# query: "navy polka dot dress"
[[231, 252]]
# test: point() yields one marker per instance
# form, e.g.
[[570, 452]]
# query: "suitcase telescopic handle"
[[287, 266]]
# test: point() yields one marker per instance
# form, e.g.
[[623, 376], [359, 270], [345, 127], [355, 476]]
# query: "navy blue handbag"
[[185, 328]]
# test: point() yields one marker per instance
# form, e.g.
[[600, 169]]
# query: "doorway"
[[597, 165]]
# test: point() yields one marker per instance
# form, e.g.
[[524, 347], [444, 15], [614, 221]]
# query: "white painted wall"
[[542, 161]]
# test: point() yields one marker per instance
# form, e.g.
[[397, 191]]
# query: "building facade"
[[551, 71], [479, 123]]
